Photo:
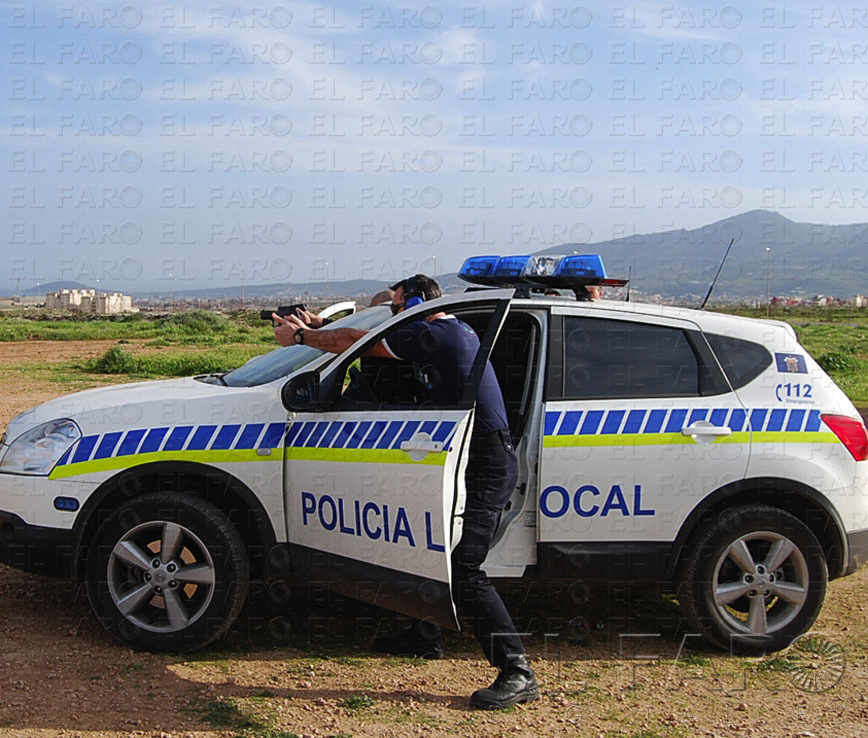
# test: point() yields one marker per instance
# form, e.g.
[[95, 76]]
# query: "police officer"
[[445, 349]]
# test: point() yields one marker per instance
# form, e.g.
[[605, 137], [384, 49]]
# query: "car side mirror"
[[301, 393]]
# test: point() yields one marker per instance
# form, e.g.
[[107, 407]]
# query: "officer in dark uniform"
[[444, 348]]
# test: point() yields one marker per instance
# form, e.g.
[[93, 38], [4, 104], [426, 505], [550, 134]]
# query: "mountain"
[[54, 287], [805, 258]]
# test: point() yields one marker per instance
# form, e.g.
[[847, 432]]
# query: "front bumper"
[[33, 548]]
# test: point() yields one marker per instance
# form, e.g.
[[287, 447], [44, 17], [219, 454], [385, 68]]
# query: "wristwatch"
[[299, 336]]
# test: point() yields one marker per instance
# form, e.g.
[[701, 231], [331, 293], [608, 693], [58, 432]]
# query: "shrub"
[[195, 321], [114, 361], [837, 361]]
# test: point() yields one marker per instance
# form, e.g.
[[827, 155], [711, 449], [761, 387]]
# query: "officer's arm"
[[334, 341], [338, 340]]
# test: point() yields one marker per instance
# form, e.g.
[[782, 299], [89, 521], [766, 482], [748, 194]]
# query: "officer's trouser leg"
[[492, 473]]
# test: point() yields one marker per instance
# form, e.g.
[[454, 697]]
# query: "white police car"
[[685, 449]]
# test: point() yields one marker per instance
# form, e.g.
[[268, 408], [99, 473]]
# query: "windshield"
[[284, 361]]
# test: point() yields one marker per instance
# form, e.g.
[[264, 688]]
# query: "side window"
[[742, 361], [622, 359], [374, 383]]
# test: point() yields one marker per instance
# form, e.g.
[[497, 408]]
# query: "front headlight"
[[40, 448]]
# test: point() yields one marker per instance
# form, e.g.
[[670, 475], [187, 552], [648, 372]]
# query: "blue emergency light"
[[589, 266], [540, 272]]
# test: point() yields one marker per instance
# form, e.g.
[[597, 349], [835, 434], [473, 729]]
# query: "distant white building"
[[89, 301]]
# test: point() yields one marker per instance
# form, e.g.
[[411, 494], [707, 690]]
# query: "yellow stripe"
[[357, 455], [124, 462], [672, 439], [794, 437], [362, 455], [617, 439]]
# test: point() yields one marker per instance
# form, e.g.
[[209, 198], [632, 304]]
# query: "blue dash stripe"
[[330, 434], [570, 423], [737, 419], [776, 420], [718, 416], [344, 435], [406, 433], [794, 422], [273, 435], [178, 437], [107, 445], [634, 421], [376, 431], [313, 438], [84, 449], [201, 436], [359, 434], [131, 442], [250, 435], [655, 421], [153, 440], [676, 421], [613, 421], [389, 435], [592, 423], [552, 418]]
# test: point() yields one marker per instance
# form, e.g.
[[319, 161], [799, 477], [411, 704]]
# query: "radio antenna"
[[714, 281]]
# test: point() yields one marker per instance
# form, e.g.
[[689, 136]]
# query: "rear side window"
[[612, 358], [742, 361]]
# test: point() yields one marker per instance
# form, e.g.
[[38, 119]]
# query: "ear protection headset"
[[413, 296]]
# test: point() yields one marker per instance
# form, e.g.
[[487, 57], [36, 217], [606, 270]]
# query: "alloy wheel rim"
[[760, 583], [161, 576]]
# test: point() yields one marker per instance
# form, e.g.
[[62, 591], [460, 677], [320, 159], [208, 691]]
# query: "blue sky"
[[160, 142]]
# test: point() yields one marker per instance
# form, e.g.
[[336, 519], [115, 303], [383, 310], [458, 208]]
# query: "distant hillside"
[[806, 258], [54, 286]]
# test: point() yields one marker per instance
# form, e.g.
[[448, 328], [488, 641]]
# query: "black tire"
[[802, 576], [203, 547]]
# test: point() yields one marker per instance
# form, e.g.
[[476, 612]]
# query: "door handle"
[[429, 447], [704, 428]]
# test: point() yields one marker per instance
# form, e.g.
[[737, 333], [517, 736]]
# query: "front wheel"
[[167, 572], [753, 579]]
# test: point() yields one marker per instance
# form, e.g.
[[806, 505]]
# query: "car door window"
[[623, 359]]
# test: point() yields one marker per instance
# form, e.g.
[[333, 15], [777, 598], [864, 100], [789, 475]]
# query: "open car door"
[[373, 493]]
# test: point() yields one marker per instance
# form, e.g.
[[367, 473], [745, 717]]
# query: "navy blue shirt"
[[445, 350]]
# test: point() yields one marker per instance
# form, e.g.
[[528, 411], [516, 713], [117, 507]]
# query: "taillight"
[[851, 433]]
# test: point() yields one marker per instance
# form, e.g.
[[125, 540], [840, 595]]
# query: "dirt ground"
[[298, 662]]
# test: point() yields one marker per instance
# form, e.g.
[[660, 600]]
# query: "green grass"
[[193, 327], [117, 360], [232, 714], [358, 702]]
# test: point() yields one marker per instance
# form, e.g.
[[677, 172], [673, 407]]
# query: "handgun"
[[283, 311]]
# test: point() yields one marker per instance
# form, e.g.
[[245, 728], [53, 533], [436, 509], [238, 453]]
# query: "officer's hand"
[[313, 321], [285, 328]]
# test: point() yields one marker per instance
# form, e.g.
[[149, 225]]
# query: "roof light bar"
[[551, 271]]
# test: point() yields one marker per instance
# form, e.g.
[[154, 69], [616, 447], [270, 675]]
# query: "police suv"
[[697, 452]]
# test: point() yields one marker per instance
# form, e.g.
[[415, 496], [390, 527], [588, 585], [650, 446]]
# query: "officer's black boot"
[[515, 683], [423, 640]]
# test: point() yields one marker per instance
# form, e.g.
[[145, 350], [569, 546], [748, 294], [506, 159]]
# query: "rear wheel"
[[167, 572], [753, 579]]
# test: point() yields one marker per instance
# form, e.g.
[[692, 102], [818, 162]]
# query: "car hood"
[[119, 404]]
